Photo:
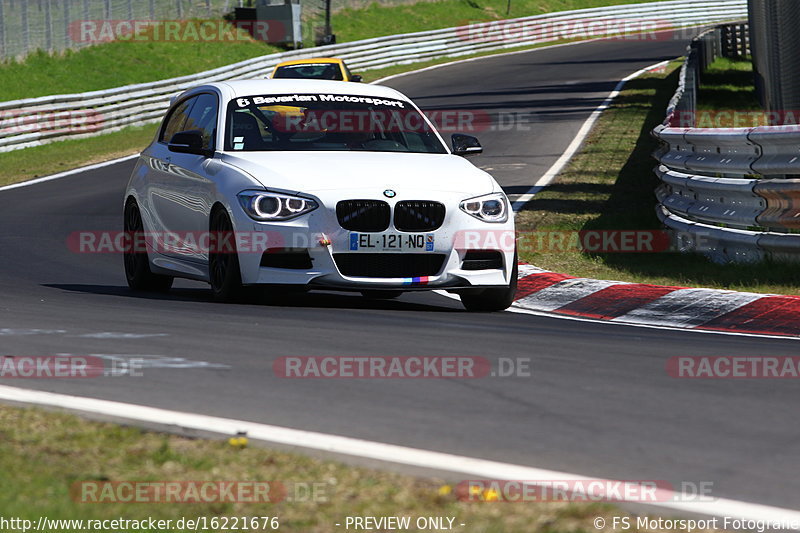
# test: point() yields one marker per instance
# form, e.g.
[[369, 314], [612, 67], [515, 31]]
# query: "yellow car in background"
[[318, 68]]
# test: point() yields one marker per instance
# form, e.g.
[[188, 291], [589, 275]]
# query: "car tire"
[[137, 265], [223, 263], [489, 300], [377, 294]]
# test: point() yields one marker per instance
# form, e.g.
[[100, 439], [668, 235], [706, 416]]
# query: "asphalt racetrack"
[[598, 401]]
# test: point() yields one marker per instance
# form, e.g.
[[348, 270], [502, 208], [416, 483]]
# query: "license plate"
[[391, 242]]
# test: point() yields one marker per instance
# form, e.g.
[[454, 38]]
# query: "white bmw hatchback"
[[315, 185]]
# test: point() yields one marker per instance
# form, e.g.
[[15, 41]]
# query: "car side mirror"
[[189, 142], [356, 77], [465, 145]]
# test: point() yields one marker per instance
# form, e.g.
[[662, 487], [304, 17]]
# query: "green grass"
[[610, 185], [127, 62], [119, 63], [727, 96], [728, 84], [42, 454], [376, 20], [29, 163]]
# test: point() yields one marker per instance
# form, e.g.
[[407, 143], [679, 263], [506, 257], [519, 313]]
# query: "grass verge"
[[119, 63], [728, 84], [610, 185], [137, 61], [376, 20], [124, 62], [43, 454], [727, 96], [29, 163]]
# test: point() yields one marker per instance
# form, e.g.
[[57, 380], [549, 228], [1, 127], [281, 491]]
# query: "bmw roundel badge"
[[389, 193]]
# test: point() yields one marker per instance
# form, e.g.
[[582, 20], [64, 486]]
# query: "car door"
[[180, 191]]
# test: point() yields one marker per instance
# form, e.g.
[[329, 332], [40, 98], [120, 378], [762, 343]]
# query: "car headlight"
[[489, 208], [268, 206]]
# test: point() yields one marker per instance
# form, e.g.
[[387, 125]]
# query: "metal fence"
[[732, 194], [35, 121], [774, 25], [53, 25]]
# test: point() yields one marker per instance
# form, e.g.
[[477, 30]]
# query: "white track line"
[[555, 169], [432, 67], [129, 157], [376, 450], [68, 173], [487, 56], [576, 143], [564, 292], [437, 461], [689, 308], [531, 270], [575, 318], [511, 53]]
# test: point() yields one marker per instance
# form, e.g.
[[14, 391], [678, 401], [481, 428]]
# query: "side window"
[[203, 117], [333, 72], [347, 73], [176, 120], [246, 131]]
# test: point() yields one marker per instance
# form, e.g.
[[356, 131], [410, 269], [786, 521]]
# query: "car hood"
[[371, 171]]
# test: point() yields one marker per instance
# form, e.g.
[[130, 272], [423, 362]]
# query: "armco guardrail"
[[35, 121], [707, 199], [730, 194]]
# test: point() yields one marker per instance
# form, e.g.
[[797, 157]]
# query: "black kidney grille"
[[418, 215], [388, 265], [363, 215]]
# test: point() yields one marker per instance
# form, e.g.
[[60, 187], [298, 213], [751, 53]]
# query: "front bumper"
[[320, 236]]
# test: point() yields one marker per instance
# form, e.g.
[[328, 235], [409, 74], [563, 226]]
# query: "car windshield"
[[312, 71], [327, 122]]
